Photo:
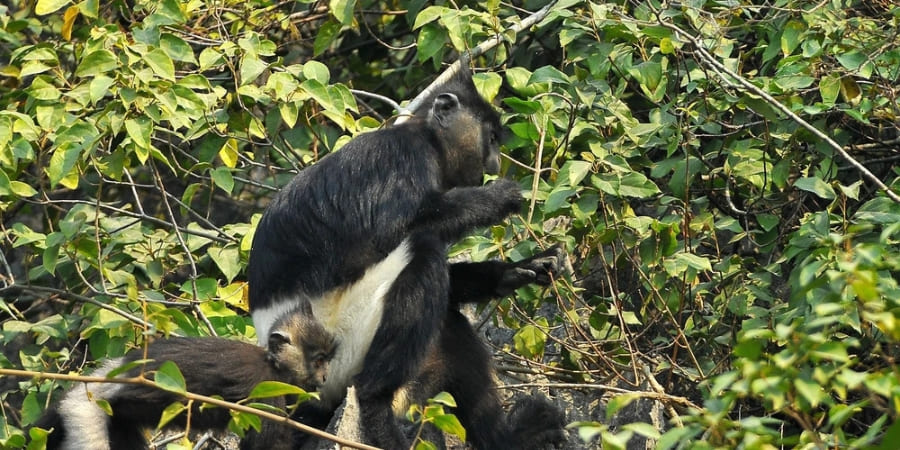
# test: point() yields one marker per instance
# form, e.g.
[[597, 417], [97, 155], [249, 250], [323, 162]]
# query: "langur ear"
[[278, 339], [444, 106]]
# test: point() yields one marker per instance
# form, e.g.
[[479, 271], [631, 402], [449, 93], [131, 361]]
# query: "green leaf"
[[50, 257], [210, 58], [171, 9], [829, 88], [794, 82], [38, 439], [171, 412], [40, 89], [790, 37], [289, 113], [161, 64], [831, 351], [635, 184], [63, 161], [328, 32], [549, 74], [251, 68], [21, 189], [558, 198], [207, 288], [228, 260], [99, 87], [169, 378], [618, 402], [448, 423], [314, 70], [319, 93], [139, 130], [488, 85], [852, 59], [342, 10], [529, 341], [177, 48], [444, 398], [428, 15], [223, 179], [44, 7], [96, 63], [694, 261], [573, 171], [425, 445], [522, 106], [430, 42], [241, 421], [269, 389], [811, 391], [816, 186]]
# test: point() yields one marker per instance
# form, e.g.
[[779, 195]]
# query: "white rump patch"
[[85, 423]]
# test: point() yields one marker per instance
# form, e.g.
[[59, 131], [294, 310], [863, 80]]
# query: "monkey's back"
[[343, 214]]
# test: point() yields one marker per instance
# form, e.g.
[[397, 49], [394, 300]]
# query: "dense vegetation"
[[722, 174]]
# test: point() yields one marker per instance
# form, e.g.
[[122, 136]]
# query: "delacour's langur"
[[299, 351], [362, 235]]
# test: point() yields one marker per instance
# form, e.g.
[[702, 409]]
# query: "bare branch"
[[80, 298]]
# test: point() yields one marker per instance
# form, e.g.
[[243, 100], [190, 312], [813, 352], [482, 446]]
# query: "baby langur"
[[298, 353]]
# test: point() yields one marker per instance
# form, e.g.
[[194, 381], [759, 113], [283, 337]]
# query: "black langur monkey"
[[299, 353], [362, 235], [460, 364]]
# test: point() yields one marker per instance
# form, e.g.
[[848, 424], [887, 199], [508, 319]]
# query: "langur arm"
[[452, 214], [481, 281]]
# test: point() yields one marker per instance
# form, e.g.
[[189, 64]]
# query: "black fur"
[[460, 364], [210, 366], [416, 182]]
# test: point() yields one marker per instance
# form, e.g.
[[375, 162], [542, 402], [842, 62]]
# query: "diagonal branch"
[[466, 57], [722, 69]]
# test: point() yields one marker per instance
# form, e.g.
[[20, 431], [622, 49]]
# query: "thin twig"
[[605, 387], [76, 297], [187, 251], [378, 97]]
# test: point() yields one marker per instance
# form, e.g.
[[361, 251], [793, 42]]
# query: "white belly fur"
[[352, 313]]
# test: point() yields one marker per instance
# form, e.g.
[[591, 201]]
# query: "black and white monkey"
[[362, 235], [299, 351]]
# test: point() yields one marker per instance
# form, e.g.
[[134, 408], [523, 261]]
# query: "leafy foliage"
[[747, 264]]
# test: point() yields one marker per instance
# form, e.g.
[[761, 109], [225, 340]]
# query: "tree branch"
[[16, 288], [141, 381], [467, 57], [720, 68]]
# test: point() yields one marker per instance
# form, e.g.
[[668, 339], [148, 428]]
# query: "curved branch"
[[381, 98]]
